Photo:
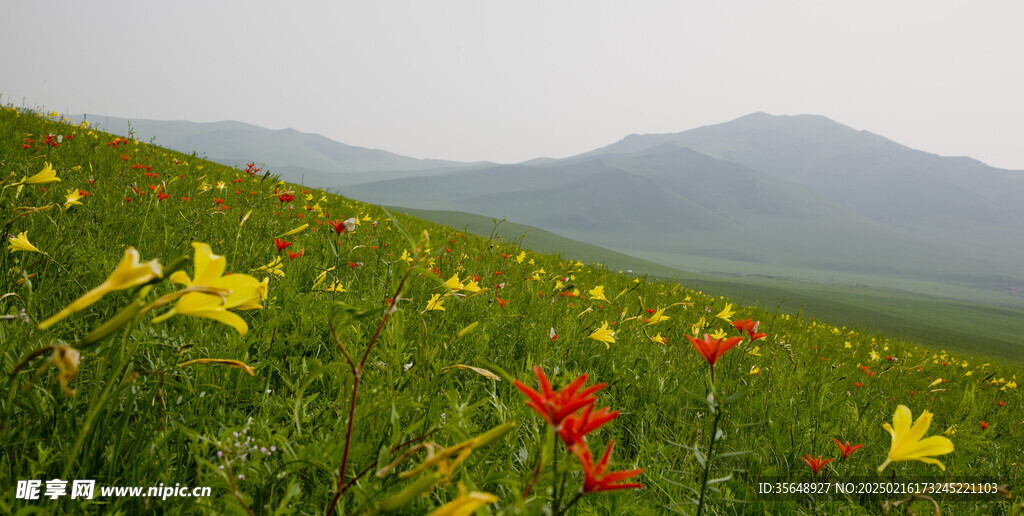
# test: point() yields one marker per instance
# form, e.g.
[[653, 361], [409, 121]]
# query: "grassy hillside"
[[367, 366], [942, 322], [542, 241]]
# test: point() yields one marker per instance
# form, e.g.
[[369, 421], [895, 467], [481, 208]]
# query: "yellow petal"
[[47, 175], [129, 273], [220, 315], [465, 504], [181, 278]]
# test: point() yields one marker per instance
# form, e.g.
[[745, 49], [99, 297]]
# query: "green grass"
[[940, 323], [143, 416], [542, 241], [969, 327]]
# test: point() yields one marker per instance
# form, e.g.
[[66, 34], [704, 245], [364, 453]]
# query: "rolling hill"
[[316, 159], [795, 196], [937, 321]]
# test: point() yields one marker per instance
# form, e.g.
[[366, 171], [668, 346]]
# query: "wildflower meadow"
[[168, 321]]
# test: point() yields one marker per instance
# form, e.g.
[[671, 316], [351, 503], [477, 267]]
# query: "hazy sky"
[[511, 81]]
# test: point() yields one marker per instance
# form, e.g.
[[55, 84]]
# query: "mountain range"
[[788, 196], [306, 158]]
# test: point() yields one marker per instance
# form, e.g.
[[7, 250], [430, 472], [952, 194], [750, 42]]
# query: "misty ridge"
[[785, 196]]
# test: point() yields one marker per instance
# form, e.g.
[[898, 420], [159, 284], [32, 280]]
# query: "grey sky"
[[479, 80]]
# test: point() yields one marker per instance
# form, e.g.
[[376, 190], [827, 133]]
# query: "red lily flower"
[[815, 464], [338, 225], [594, 476], [218, 201], [713, 349], [556, 406], [281, 244], [984, 425], [285, 198], [749, 326], [846, 449], [576, 426], [292, 256], [501, 302], [1002, 403], [83, 193], [163, 196]]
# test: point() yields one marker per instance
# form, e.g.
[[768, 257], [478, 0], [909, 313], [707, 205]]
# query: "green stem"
[[556, 502], [565, 472], [574, 500], [711, 448], [98, 405]]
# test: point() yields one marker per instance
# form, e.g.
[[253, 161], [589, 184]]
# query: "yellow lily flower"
[[47, 175], [129, 273], [454, 284], [465, 504], [336, 287], [435, 303], [72, 198], [471, 287], [21, 243], [726, 313], [907, 442], [244, 291], [657, 317], [275, 267], [597, 293], [603, 334]]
